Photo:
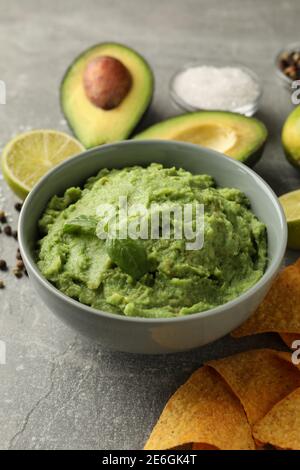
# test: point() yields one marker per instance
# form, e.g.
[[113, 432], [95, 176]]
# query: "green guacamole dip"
[[151, 277]]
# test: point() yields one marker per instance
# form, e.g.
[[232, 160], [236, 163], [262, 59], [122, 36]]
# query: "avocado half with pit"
[[291, 137], [233, 134], [105, 92]]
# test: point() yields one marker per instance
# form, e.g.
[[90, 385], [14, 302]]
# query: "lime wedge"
[[29, 156], [291, 205]]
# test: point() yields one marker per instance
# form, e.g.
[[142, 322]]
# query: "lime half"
[[29, 156], [291, 205]]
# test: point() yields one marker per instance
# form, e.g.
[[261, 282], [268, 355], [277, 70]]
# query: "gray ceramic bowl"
[[154, 336]]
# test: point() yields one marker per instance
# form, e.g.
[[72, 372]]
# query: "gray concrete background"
[[58, 390]]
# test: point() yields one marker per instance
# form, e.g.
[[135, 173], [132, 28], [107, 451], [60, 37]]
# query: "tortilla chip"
[[280, 310], [281, 426], [203, 447], [289, 338], [259, 378], [203, 410]]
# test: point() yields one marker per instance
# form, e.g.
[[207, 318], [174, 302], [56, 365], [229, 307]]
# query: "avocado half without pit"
[[105, 93], [233, 134]]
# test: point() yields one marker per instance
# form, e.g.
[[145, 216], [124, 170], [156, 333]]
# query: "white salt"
[[209, 87]]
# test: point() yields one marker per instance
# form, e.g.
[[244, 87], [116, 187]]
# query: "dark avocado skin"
[[79, 57], [255, 157], [291, 160]]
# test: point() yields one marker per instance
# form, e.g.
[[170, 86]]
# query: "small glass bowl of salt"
[[233, 88]]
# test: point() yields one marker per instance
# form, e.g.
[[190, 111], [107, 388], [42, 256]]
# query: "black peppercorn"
[[18, 206], [3, 265], [7, 230], [17, 272], [20, 264], [3, 217], [289, 63]]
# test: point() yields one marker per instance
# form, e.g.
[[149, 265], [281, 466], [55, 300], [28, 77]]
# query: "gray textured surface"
[[57, 389]]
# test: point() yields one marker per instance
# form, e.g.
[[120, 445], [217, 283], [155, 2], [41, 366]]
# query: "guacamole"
[[151, 277]]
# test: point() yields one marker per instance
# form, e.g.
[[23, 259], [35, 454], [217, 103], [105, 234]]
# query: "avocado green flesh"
[[237, 136], [291, 137], [130, 255], [172, 281], [92, 125]]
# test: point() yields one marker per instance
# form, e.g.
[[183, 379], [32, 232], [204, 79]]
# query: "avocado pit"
[[106, 82]]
